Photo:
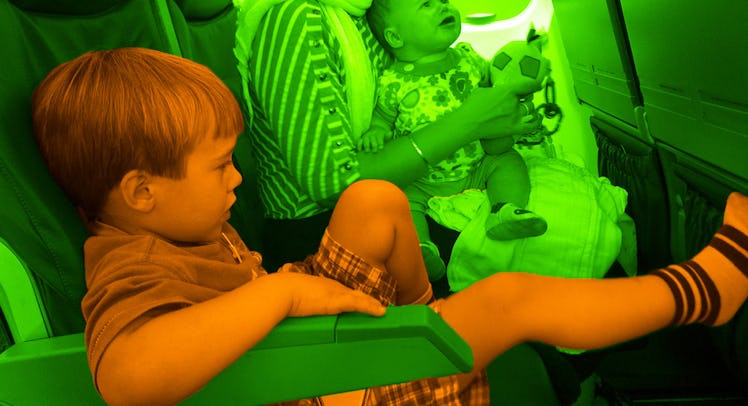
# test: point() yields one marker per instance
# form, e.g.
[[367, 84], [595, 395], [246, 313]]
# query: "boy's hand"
[[373, 139], [314, 296]]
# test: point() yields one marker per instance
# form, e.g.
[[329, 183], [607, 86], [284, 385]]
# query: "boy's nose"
[[236, 178]]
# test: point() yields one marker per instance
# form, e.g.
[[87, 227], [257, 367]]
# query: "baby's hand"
[[314, 295], [373, 139]]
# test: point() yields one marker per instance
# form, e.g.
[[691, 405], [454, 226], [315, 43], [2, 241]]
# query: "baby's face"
[[426, 26]]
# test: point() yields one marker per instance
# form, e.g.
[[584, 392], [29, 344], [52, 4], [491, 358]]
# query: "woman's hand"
[[524, 121], [497, 112], [487, 113]]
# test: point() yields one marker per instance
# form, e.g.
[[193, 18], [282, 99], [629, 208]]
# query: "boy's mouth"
[[448, 20]]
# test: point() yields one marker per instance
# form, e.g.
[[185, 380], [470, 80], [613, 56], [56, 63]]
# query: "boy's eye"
[[426, 4], [226, 165]]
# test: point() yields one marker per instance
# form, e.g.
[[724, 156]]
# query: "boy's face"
[[425, 26], [194, 208]]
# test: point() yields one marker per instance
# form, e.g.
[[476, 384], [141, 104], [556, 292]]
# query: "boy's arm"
[[168, 358]]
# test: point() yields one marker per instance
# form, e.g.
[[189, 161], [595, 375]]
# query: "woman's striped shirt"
[[301, 134]]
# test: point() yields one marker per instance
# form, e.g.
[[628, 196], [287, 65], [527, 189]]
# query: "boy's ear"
[[393, 38], [135, 188]]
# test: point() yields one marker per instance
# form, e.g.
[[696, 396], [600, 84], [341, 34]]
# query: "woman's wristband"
[[418, 149]]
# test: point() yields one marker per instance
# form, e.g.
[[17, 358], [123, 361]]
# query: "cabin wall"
[[575, 139]]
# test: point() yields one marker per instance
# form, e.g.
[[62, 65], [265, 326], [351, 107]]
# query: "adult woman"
[[309, 69]]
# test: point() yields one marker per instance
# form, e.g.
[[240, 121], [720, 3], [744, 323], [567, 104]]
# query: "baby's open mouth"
[[448, 20]]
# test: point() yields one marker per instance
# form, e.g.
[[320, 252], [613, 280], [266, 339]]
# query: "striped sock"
[[712, 286]]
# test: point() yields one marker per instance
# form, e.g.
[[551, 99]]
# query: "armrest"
[[19, 299], [47, 371], [300, 358], [314, 356]]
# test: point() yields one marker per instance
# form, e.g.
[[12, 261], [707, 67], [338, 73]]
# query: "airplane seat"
[[598, 56], [41, 237], [42, 355], [605, 80], [636, 166], [696, 113], [664, 87], [697, 192], [39, 224], [205, 32]]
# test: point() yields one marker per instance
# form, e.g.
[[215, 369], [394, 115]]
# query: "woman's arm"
[[487, 113], [302, 116], [297, 87]]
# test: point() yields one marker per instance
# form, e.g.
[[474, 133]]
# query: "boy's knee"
[[373, 194]]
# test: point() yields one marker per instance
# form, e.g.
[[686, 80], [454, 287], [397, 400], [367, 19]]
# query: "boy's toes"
[[736, 211]]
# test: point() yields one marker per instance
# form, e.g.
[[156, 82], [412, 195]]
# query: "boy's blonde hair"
[[106, 113]]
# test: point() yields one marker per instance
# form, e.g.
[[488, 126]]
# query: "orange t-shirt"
[[133, 278]]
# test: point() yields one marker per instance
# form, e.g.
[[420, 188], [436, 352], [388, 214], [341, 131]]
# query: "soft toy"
[[521, 63]]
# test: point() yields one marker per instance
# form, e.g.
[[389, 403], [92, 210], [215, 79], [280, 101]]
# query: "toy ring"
[[526, 110]]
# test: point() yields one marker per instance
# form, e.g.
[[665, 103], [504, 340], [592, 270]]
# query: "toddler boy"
[[154, 135]]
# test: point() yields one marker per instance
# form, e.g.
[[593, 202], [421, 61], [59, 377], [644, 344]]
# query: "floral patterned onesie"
[[414, 95]]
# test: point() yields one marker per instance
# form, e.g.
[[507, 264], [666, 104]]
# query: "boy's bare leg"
[[373, 219], [505, 309]]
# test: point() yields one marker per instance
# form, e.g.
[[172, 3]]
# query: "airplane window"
[[487, 11]]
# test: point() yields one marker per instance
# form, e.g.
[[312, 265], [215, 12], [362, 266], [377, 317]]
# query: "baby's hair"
[[378, 16], [105, 113]]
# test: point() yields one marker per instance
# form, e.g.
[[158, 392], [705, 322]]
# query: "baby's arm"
[[378, 133], [189, 346]]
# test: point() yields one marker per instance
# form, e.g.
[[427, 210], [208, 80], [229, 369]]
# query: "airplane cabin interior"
[[651, 132]]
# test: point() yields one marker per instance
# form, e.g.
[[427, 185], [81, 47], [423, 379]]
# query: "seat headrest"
[[67, 7], [202, 9]]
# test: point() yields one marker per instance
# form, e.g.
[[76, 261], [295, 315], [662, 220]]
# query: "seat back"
[[684, 148], [599, 57], [205, 33], [690, 65], [38, 222], [605, 79], [41, 237]]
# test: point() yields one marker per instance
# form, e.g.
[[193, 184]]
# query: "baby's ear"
[[393, 38], [135, 190]]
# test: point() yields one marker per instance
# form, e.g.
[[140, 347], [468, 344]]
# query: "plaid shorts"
[[334, 261]]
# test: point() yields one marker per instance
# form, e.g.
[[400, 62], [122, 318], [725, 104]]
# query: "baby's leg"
[[505, 309], [418, 196], [508, 189], [435, 266], [373, 220], [507, 178]]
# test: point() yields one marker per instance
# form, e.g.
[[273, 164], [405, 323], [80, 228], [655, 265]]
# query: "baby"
[[428, 80]]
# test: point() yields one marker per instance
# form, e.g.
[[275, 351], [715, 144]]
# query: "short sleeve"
[[388, 90], [466, 51]]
